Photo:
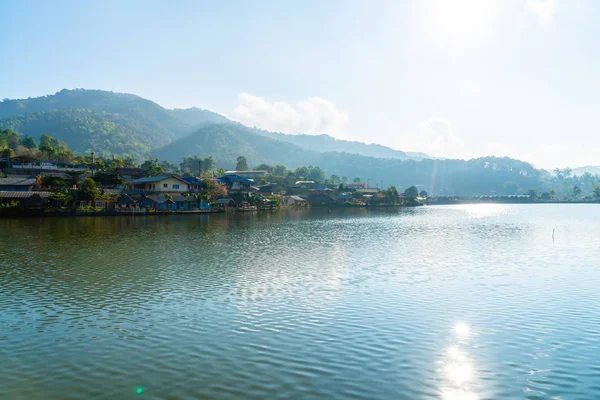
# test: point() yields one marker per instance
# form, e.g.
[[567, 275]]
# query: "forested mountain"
[[104, 122], [155, 125], [225, 142], [490, 175], [326, 143]]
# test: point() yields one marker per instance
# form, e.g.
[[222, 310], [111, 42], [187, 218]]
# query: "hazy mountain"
[[591, 169], [326, 143]]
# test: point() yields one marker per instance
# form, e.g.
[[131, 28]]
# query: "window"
[[165, 185], [175, 186]]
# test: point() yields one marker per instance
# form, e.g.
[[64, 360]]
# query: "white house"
[[161, 183]]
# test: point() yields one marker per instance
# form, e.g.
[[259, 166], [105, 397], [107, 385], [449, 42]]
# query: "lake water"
[[450, 302]]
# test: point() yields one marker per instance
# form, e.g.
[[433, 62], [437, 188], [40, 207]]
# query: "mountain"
[[590, 169], [225, 142], [90, 119], [326, 143], [102, 121]]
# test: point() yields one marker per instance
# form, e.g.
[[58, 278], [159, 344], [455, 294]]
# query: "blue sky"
[[461, 78]]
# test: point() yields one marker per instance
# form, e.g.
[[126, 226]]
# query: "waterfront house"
[[184, 202], [295, 201], [222, 203], [194, 184], [161, 183], [126, 202], [158, 202], [20, 184], [25, 200]]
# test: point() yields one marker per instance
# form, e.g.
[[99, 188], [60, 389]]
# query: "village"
[[39, 187]]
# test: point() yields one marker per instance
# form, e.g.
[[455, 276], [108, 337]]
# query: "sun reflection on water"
[[484, 210], [457, 372]]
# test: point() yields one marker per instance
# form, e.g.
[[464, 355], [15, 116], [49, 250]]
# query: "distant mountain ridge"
[[325, 143], [154, 126]]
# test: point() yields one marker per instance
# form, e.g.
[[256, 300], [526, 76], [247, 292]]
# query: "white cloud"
[[545, 10], [314, 115], [434, 137]]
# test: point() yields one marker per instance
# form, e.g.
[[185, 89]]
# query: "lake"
[[448, 302]]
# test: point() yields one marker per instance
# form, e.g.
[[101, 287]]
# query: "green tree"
[[208, 164], [596, 193], [29, 143], [576, 191], [264, 167], [423, 194], [280, 170], [357, 180], [411, 192], [220, 172], [88, 190], [242, 164], [391, 194], [152, 167], [532, 193]]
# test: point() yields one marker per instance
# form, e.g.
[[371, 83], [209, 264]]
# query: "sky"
[[451, 78]]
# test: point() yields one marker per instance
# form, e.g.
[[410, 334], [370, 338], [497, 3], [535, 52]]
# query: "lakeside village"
[[37, 183]]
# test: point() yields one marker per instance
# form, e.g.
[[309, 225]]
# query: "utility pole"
[[93, 169]]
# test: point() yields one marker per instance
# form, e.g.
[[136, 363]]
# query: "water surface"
[[449, 302]]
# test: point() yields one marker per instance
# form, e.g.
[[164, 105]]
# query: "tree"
[[335, 179], [88, 190], [264, 167], [208, 164], [242, 164], [152, 167], [596, 193], [220, 171], [423, 194], [29, 143], [411, 192], [357, 180], [391, 194], [532, 193], [280, 170], [545, 196], [576, 191]]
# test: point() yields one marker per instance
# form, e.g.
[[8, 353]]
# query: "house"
[[342, 198], [194, 184], [126, 202], [320, 198], [184, 202], [158, 202], [225, 203], [295, 201], [25, 200], [161, 183], [255, 175], [237, 183], [17, 184], [355, 185]]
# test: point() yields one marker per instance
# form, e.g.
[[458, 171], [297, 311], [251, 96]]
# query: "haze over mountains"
[[124, 124]]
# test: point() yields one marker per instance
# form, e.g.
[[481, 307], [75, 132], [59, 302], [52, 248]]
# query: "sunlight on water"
[[461, 329], [458, 371], [484, 210]]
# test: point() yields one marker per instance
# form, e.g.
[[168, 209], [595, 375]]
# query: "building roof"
[[17, 181], [158, 198], [181, 198], [154, 179], [297, 198], [235, 178], [246, 172], [24, 195], [192, 180], [224, 201], [125, 199]]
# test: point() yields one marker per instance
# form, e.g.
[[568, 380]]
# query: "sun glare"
[[460, 24]]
